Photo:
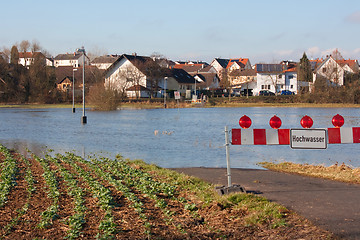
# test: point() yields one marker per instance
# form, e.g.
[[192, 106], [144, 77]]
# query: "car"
[[287, 92], [266, 93], [246, 92]]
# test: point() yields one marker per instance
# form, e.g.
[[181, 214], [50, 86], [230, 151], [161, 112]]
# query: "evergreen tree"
[[304, 70], [14, 55]]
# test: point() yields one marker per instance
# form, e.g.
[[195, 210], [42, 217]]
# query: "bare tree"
[[35, 46], [154, 73], [6, 54], [24, 46]]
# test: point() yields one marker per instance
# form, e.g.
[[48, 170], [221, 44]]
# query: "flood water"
[[190, 137]]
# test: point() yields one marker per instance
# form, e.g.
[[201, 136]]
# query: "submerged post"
[[227, 145]]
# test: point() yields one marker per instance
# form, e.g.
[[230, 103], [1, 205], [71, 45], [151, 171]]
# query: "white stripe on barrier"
[[247, 137], [272, 137], [346, 135]]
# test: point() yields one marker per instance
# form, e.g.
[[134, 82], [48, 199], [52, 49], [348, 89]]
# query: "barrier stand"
[[230, 187]]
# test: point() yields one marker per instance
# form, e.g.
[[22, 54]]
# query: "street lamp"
[[165, 91], [83, 118], [73, 92]]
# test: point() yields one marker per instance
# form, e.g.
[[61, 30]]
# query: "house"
[[74, 60], [205, 74], [331, 70], [291, 82], [334, 68], [243, 79], [228, 65], [207, 80], [269, 77], [128, 74], [220, 64], [104, 62], [189, 68], [27, 58], [238, 64], [181, 81], [64, 77]]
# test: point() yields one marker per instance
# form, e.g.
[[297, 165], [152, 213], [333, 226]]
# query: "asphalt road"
[[331, 205]]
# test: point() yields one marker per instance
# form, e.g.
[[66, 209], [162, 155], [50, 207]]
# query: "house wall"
[[274, 82], [238, 80], [331, 71], [116, 76], [62, 63], [171, 84], [25, 61], [102, 65], [291, 82], [64, 85], [70, 62], [217, 66]]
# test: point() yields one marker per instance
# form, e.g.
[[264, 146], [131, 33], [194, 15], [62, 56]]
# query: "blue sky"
[[263, 31]]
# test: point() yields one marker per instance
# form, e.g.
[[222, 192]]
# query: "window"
[[280, 76], [291, 76], [262, 87], [324, 70], [291, 86], [268, 86]]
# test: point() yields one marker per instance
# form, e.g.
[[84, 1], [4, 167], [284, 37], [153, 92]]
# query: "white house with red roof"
[[275, 78], [27, 58], [334, 70]]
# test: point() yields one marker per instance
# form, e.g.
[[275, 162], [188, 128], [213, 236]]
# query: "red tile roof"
[[238, 60], [28, 54]]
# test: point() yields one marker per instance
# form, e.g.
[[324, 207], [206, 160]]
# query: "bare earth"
[[212, 222]]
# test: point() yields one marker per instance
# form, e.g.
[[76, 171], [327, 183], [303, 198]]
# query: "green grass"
[[258, 210]]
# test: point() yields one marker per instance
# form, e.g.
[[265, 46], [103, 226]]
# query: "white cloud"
[[313, 51], [354, 17]]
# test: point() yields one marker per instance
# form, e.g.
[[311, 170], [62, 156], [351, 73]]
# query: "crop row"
[[107, 225], [49, 176], [30, 189], [8, 175], [77, 220], [135, 202]]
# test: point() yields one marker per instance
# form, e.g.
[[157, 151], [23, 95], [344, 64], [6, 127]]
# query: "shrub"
[[104, 98]]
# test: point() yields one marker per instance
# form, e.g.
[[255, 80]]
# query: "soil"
[[211, 222]]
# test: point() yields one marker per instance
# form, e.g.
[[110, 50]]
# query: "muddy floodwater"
[[190, 137]]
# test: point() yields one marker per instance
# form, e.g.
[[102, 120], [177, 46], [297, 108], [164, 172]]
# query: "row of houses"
[[127, 73]]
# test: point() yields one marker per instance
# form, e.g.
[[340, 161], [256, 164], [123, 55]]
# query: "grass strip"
[[336, 172]]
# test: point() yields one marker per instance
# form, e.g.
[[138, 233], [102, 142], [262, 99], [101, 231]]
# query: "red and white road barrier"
[[282, 136]]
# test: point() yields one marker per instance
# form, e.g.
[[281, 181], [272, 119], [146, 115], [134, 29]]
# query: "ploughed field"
[[67, 197]]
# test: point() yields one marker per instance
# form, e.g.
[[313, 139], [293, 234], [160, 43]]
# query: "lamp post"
[[73, 92], [83, 118], [165, 92]]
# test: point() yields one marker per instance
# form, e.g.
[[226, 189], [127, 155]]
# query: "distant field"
[[173, 104]]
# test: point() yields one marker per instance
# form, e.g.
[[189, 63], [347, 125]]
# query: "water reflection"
[[184, 137]]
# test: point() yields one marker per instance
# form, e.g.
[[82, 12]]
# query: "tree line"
[[20, 84]]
